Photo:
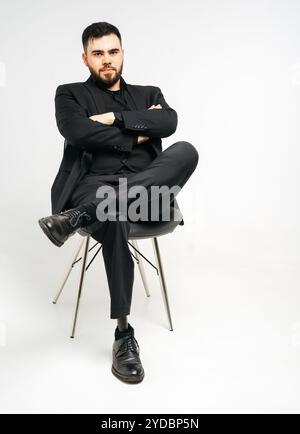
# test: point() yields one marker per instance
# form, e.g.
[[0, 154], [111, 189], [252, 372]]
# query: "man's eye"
[[113, 52]]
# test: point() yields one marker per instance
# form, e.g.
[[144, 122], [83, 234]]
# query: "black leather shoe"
[[127, 365], [59, 227]]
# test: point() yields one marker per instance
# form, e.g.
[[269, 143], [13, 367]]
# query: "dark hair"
[[96, 30]]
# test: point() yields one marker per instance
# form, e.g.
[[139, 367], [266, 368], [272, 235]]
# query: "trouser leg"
[[172, 168], [113, 235], [119, 264]]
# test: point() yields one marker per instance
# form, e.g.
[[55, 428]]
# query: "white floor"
[[235, 345]]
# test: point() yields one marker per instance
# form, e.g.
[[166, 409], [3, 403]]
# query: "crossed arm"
[[109, 118], [98, 132]]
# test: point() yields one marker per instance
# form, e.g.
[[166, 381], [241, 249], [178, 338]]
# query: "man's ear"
[[84, 58]]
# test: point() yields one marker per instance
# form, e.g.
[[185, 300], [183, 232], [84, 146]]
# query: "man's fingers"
[[142, 139], [158, 106]]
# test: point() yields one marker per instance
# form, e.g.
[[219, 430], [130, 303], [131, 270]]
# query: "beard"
[[106, 82]]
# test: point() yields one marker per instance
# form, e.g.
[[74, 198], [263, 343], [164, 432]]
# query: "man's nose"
[[106, 59]]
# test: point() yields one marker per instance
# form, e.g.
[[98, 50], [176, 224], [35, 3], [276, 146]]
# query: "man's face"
[[104, 59]]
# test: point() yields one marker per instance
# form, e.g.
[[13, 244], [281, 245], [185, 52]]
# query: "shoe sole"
[[47, 232], [128, 380]]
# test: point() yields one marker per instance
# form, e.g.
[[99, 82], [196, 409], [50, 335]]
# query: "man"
[[112, 130]]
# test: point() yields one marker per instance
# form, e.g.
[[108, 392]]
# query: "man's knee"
[[188, 154]]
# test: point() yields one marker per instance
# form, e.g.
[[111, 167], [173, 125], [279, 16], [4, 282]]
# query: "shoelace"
[[75, 215], [130, 344]]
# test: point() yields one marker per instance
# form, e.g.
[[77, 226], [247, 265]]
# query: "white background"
[[231, 70]]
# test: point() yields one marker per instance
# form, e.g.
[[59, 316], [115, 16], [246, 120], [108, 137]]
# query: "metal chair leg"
[[86, 248], [68, 272], [141, 268], [162, 280]]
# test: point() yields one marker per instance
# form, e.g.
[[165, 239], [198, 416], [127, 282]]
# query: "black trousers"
[[172, 167]]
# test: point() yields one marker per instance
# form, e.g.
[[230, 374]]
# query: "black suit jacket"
[[75, 102]]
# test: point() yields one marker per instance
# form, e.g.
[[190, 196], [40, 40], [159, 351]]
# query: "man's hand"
[[157, 106], [142, 139], [105, 118]]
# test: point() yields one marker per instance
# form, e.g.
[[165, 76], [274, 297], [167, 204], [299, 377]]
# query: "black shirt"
[[141, 154]]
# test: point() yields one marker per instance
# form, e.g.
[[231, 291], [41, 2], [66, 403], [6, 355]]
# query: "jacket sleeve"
[[75, 126], [155, 122], [119, 121]]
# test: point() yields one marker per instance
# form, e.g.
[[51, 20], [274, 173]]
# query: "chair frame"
[[138, 256]]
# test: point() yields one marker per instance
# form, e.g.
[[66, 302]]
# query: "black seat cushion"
[[145, 229]]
